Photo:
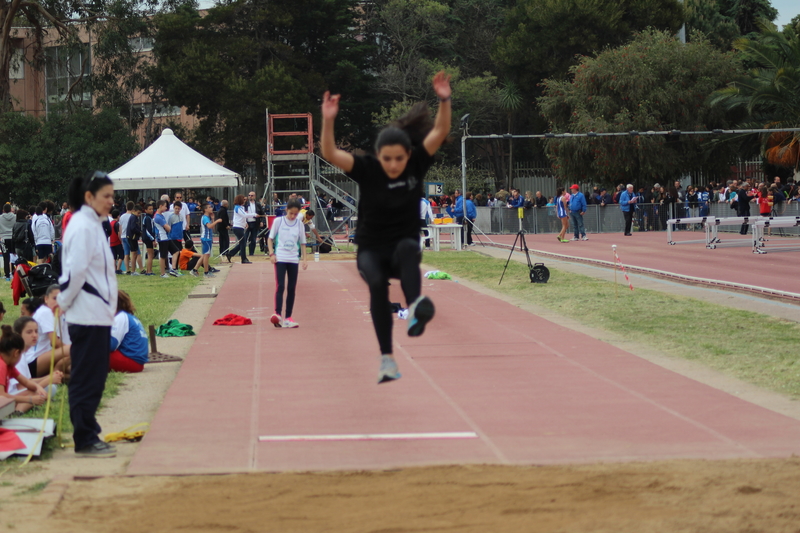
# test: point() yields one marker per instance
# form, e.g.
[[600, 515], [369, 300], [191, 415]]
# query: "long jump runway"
[[487, 383]]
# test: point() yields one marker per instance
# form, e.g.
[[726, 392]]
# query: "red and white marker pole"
[[624, 272]]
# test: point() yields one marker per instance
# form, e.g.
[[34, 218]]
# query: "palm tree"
[[511, 102], [770, 92]]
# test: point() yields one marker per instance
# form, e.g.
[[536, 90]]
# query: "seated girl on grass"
[[28, 329], [49, 333], [11, 346], [129, 346]]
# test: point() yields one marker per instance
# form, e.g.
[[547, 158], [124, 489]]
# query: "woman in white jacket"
[[88, 300], [44, 233]]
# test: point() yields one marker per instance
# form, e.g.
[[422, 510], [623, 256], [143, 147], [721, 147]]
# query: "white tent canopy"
[[170, 164]]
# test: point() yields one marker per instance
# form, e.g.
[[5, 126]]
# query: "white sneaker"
[[574, 239], [290, 323], [584, 238], [134, 273]]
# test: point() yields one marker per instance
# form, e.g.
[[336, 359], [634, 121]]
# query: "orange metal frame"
[[308, 133]]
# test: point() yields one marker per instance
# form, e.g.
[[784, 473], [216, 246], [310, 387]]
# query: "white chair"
[[424, 234]]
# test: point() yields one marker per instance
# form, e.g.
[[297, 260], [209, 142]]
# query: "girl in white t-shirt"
[[28, 329], [287, 240], [45, 317]]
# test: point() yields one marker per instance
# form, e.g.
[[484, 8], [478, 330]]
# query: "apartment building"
[[61, 73]]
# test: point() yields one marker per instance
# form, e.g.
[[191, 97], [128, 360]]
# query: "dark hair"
[[177, 204], [51, 289], [51, 207], [78, 188], [293, 204], [560, 192], [21, 322], [7, 208], [115, 213], [32, 304], [309, 213], [10, 341], [39, 209], [2, 308], [129, 206], [409, 130], [162, 203]]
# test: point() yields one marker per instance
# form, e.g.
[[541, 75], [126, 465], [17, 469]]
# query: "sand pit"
[[707, 496]]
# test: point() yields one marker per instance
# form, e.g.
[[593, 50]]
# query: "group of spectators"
[[650, 207], [46, 342]]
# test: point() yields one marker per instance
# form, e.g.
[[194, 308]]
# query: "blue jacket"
[[577, 203], [472, 213], [519, 202], [457, 210], [625, 201]]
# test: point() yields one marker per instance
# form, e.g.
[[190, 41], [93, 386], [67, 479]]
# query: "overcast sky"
[[787, 9]]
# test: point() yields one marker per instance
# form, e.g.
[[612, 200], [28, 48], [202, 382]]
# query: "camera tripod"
[[538, 272]]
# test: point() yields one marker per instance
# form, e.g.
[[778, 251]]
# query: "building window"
[[17, 71], [161, 110], [141, 44], [65, 69]]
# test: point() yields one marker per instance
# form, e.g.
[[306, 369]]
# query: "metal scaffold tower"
[[293, 167]]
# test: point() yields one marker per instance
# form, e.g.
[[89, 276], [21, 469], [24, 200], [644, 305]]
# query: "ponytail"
[[78, 188], [10, 341], [409, 130]]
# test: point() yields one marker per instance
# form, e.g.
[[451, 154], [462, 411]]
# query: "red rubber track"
[[773, 274], [533, 391]]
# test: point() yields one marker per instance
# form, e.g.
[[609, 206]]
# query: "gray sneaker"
[[173, 274], [420, 313], [388, 371], [99, 450]]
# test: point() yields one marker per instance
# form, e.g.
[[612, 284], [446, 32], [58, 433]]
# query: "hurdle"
[[759, 246], [713, 232], [690, 220]]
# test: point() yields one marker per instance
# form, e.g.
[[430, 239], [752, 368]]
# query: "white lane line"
[[368, 436]]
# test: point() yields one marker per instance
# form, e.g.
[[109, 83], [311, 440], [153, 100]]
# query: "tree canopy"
[[769, 92], [652, 83], [38, 158]]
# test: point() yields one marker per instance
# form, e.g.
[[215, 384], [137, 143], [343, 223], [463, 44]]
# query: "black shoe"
[[214, 270], [246, 262], [228, 257], [99, 450], [420, 313]]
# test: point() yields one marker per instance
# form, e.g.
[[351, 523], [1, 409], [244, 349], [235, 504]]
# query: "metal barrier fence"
[[609, 219]]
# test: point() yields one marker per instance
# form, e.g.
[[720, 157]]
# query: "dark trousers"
[[8, 244], [241, 246], [282, 272], [224, 240], [89, 354], [252, 235], [377, 265], [628, 215]]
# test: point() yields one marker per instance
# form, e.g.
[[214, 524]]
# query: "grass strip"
[[750, 346]]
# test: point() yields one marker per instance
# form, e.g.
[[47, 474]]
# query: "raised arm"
[[333, 155], [441, 128]]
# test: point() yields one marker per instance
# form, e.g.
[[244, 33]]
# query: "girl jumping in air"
[[387, 233]]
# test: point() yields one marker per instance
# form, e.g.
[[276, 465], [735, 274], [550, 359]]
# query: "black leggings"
[[376, 265], [282, 271], [241, 246]]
